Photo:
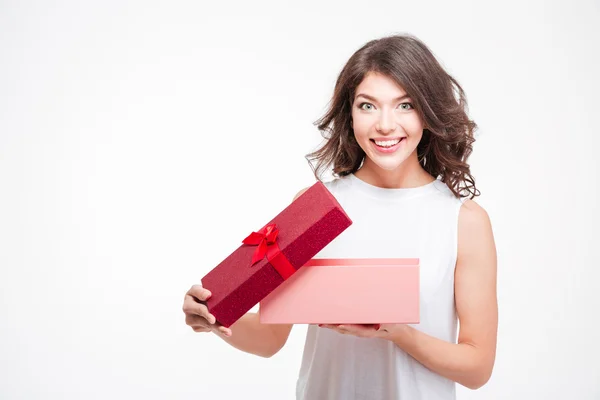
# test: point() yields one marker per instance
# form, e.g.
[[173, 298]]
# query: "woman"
[[398, 138]]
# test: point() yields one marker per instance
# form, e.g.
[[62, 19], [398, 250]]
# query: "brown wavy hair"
[[447, 140]]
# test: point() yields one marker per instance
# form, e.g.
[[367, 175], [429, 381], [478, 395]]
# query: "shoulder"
[[472, 215], [474, 229], [300, 192], [331, 185]]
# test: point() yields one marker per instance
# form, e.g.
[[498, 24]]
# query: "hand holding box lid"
[[275, 252]]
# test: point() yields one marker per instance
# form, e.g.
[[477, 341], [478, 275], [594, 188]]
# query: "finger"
[[200, 329], [191, 307], [356, 330], [370, 326], [196, 321], [344, 328], [201, 323], [359, 330], [358, 327], [225, 331], [199, 293], [335, 328]]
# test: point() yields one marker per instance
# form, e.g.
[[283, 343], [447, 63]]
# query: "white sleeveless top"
[[419, 222]]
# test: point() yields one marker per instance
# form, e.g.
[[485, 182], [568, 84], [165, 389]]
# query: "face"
[[386, 126]]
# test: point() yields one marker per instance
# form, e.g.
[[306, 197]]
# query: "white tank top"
[[419, 222]]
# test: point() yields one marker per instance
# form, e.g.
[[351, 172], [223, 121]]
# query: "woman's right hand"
[[196, 312]]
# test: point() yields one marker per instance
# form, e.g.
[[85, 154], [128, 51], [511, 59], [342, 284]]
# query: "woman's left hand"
[[361, 330]]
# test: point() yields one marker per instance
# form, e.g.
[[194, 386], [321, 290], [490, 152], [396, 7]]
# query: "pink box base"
[[347, 291]]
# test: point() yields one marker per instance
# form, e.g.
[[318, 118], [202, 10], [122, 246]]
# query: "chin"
[[389, 165]]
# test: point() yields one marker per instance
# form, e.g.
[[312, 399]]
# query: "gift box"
[[347, 291], [274, 253]]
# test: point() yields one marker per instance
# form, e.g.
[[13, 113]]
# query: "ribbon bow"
[[266, 240], [262, 238]]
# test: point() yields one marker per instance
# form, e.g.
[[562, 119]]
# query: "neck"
[[409, 174]]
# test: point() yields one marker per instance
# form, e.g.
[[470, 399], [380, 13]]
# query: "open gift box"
[[347, 291]]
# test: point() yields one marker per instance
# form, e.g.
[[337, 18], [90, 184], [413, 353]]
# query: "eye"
[[406, 104], [361, 105]]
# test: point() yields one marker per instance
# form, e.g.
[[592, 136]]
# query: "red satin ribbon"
[[266, 240]]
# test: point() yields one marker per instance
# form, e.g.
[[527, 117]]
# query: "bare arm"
[[471, 360], [250, 336]]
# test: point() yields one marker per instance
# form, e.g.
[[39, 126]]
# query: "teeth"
[[387, 143]]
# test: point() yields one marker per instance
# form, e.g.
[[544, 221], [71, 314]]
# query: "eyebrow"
[[366, 96]]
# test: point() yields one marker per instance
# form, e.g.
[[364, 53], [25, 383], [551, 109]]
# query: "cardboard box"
[[347, 291]]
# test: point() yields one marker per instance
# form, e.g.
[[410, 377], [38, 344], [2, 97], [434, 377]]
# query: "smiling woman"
[[397, 137], [394, 88]]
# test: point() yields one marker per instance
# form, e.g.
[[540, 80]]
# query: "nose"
[[386, 122]]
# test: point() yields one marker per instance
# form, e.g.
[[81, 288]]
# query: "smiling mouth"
[[387, 143]]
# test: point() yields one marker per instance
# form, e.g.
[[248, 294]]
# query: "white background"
[[141, 141]]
